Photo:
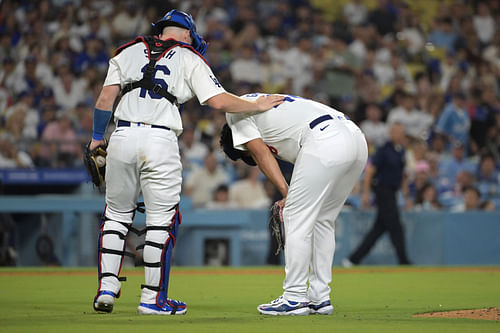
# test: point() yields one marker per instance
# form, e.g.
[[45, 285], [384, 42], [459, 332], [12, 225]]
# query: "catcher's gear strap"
[[114, 232], [152, 264], [150, 287], [149, 243], [117, 252], [123, 278], [157, 48]]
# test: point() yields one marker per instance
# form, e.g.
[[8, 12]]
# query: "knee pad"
[[158, 248]]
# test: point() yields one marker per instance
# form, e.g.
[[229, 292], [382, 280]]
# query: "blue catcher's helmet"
[[183, 20]]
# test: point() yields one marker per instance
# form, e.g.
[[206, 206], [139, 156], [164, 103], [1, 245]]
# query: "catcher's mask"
[[183, 20], [226, 142]]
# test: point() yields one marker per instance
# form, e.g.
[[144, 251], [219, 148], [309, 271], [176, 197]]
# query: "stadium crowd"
[[432, 66]]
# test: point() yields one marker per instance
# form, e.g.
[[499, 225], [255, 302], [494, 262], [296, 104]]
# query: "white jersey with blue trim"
[[182, 72], [282, 127]]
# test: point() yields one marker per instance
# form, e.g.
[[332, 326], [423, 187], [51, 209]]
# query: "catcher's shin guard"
[[158, 248], [111, 249]]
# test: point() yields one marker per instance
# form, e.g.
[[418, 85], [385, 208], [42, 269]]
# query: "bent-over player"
[[329, 153], [154, 75]]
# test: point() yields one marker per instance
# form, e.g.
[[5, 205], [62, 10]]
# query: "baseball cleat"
[[171, 307], [104, 301], [324, 308], [281, 307]]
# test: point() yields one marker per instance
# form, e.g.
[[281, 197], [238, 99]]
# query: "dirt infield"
[[247, 271], [485, 314]]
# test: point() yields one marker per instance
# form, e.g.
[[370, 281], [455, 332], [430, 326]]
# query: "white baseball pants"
[[148, 160], [329, 164]]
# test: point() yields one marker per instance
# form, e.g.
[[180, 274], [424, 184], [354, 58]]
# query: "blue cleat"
[[171, 307], [104, 301], [324, 308], [281, 307]]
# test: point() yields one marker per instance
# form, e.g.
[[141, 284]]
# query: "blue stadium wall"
[[71, 222]]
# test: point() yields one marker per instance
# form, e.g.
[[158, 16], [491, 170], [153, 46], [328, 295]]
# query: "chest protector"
[[157, 48]]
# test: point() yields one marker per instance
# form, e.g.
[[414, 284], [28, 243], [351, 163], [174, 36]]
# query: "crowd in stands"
[[433, 66]]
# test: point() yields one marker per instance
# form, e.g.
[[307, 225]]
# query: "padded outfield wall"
[[241, 237]]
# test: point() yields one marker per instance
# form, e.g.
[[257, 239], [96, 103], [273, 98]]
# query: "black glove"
[[277, 226], [95, 162]]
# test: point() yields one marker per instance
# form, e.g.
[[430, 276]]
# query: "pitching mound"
[[486, 314]]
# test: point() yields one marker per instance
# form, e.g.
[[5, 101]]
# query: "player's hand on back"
[[265, 103]]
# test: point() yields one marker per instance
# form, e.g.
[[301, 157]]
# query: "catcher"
[[154, 75], [329, 152]]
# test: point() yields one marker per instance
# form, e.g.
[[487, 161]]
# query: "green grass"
[[365, 299]]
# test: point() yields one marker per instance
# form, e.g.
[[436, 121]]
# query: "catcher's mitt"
[[95, 162], [277, 226]]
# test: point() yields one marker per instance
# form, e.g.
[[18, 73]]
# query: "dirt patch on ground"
[[486, 314]]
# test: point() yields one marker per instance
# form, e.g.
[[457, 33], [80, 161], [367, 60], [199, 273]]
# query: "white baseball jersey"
[[281, 128], [182, 72]]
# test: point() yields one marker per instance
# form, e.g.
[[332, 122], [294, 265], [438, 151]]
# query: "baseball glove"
[[277, 226], [95, 162]]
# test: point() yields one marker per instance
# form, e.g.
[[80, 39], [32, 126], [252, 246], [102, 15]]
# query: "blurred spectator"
[[417, 123], [202, 182], [249, 192], [417, 153], [8, 75], [449, 167], [192, 150], [68, 90], [299, 63], [93, 56], [376, 131], [279, 52], [472, 201], [453, 195], [355, 12], [220, 199], [427, 198], [341, 70], [483, 116], [443, 34], [60, 147], [412, 36], [491, 52], [484, 23], [246, 67], [11, 156], [420, 180], [24, 116], [383, 17], [488, 179], [454, 122], [129, 21]]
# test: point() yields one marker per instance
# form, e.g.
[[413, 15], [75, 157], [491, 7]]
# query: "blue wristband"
[[101, 120]]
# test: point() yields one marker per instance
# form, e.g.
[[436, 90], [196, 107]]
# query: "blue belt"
[[319, 120], [125, 123]]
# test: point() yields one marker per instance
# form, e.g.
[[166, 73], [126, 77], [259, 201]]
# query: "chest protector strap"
[[156, 50]]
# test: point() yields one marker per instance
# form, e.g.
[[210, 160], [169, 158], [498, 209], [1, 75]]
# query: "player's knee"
[[120, 217]]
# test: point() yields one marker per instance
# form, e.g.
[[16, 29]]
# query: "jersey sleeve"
[[113, 76], [202, 80], [244, 130]]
